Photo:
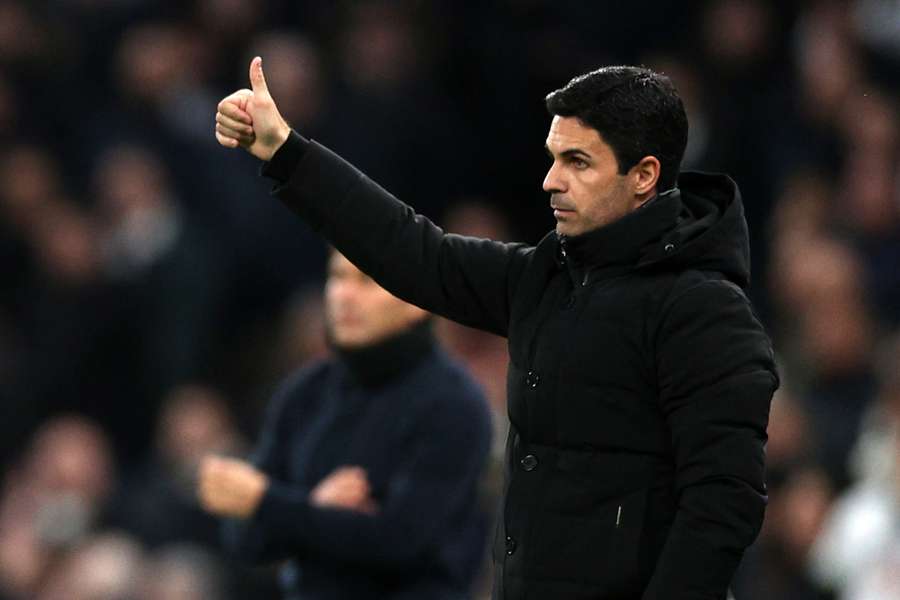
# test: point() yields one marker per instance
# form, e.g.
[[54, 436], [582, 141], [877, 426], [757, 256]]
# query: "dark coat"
[[639, 381], [421, 429]]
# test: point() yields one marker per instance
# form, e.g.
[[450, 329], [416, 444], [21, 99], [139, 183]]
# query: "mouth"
[[561, 209], [561, 212]]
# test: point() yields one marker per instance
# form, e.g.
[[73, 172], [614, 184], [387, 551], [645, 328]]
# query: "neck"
[[378, 363]]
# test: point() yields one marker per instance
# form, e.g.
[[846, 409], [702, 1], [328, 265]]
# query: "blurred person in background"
[[157, 502], [777, 568], [366, 476], [52, 500], [858, 552], [820, 285], [106, 566], [181, 572], [168, 279], [639, 253]]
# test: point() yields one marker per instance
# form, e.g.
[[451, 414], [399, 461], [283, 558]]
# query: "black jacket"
[[420, 427], [639, 379]]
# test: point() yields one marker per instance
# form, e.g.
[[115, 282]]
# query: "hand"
[[250, 119], [347, 488], [229, 487]]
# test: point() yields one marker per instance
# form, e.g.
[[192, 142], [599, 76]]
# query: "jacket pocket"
[[599, 548]]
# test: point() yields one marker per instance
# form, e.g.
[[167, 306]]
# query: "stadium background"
[[153, 294]]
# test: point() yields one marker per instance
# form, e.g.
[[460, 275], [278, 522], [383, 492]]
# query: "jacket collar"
[[618, 247]]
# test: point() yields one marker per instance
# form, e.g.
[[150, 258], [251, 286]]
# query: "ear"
[[644, 176]]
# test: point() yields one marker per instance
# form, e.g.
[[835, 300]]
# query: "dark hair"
[[636, 111]]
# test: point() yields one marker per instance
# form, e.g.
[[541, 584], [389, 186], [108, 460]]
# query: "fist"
[[229, 487], [250, 119], [346, 488]]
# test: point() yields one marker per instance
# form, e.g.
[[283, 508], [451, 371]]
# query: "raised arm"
[[466, 279]]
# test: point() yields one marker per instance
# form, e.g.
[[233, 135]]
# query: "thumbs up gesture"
[[250, 119]]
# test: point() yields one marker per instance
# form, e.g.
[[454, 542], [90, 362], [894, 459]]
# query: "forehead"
[[568, 132]]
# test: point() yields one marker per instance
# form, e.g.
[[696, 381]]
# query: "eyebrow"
[[569, 153]]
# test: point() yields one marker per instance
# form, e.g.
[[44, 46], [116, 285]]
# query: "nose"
[[553, 183]]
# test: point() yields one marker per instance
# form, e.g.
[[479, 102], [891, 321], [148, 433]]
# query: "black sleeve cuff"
[[285, 159]]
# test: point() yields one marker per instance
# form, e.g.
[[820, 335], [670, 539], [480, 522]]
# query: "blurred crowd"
[[153, 294]]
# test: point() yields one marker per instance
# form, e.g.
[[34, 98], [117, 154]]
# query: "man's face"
[[359, 312], [586, 190]]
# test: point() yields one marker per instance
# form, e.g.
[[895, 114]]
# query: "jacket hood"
[[698, 225], [710, 233]]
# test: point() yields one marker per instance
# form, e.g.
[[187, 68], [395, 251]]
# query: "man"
[[639, 379], [368, 470]]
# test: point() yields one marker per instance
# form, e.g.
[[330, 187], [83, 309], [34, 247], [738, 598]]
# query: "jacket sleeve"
[[447, 450], [466, 279], [716, 375]]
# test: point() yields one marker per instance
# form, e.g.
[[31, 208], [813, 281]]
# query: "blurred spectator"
[[22, 39], [821, 285], [387, 96], [167, 275], [157, 503], [869, 195], [106, 566], [775, 566], [229, 19], [181, 572], [792, 439], [859, 550], [52, 500]]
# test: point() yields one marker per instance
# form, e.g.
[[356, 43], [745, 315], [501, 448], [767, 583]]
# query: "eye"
[[579, 164]]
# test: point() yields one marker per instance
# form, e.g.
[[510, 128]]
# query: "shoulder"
[[307, 375], [702, 292], [300, 387], [708, 325]]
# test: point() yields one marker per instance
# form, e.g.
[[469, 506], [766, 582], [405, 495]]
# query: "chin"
[[349, 340], [567, 229]]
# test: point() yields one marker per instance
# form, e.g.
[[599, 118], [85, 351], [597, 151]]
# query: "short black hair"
[[637, 112]]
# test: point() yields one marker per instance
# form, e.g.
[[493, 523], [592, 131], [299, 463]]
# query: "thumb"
[[257, 79]]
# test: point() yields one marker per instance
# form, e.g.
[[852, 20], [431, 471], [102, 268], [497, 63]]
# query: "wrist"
[[280, 137]]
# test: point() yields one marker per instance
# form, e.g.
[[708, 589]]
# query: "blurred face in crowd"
[[586, 189], [359, 311]]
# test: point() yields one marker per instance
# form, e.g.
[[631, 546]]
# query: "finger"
[[235, 111], [235, 135], [239, 96], [257, 78], [234, 124], [227, 141], [222, 133]]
